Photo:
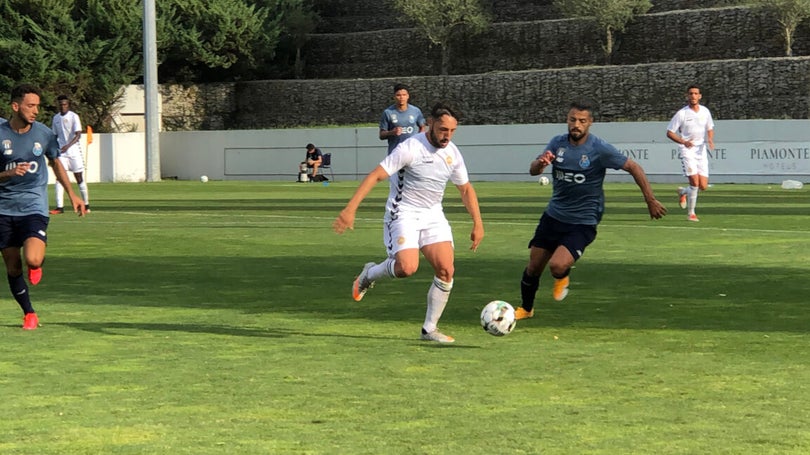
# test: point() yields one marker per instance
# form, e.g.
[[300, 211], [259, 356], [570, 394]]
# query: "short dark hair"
[[398, 87], [693, 86], [444, 108], [583, 105], [19, 92], [310, 146], [62, 98]]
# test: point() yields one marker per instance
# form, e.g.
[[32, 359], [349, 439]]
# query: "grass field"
[[190, 318]]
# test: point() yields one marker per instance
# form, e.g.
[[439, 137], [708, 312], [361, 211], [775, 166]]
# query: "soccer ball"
[[498, 318], [203, 178], [543, 180]]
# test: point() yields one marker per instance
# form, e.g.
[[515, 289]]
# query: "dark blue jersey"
[[410, 120], [26, 194], [578, 173]]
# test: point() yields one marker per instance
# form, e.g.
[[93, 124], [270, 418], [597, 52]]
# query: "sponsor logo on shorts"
[[400, 240]]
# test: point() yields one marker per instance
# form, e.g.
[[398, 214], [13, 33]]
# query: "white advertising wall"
[[746, 151]]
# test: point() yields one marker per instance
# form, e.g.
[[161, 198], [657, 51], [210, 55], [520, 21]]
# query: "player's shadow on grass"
[[136, 328]]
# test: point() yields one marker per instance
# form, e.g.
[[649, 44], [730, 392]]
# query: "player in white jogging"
[[692, 128], [68, 129], [419, 169]]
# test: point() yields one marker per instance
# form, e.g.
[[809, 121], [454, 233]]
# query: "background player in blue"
[[579, 161], [26, 144], [401, 120]]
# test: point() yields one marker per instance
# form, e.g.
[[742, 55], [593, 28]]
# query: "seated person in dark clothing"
[[313, 160]]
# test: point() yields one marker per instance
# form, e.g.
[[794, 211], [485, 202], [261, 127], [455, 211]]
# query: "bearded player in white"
[[68, 129], [692, 128], [419, 169]]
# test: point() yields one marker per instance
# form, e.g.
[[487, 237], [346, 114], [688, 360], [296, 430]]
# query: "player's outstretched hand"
[[78, 206], [476, 236], [657, 210], [344, 221]]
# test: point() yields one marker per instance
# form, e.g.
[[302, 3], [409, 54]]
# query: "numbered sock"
[[437, 297], [19, 289], [528, 290]]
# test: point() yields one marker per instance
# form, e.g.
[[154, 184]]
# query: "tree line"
[[90, 49]]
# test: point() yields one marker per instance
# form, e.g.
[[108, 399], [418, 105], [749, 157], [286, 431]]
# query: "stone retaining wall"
[[764, 88], [706, 34]]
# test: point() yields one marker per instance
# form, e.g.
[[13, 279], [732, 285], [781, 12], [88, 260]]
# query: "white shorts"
[[695, 161], [73, 162], [415, 231]]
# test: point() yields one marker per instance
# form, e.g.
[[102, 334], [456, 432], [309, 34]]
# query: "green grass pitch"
[[191, 318]]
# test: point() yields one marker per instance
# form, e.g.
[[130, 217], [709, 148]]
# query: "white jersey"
[[419, 173], [692, 125], [66, 127]]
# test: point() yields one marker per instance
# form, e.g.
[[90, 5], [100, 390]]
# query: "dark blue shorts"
[[14, 230], [551, 233]]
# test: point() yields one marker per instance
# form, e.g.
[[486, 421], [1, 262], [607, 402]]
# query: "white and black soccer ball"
[[498, 318], [203, 178], [543, 180]]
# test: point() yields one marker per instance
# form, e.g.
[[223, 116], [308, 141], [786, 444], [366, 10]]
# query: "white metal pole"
[[150, 82]]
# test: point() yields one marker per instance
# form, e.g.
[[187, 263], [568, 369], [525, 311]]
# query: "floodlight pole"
[[150, 85]]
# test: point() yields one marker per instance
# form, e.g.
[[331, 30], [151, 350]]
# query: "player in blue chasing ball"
[[28, 147], [579, 161], [414, 221]]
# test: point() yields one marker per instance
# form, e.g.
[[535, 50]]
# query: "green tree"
[[789, 14], [609, 16], [205, 37], [80, 48], [441, 21], [90, 49], [299, 23]]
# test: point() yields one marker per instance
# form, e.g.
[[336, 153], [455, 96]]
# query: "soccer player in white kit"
[[692, 128], [68, 129], [419, 169]]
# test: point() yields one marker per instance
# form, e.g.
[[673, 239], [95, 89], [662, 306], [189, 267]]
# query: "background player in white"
[[692, 128], [400, 120], [27, 148], [414, 221], [68, 129]]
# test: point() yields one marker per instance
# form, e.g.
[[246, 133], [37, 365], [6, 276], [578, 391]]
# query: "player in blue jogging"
[[26, 144], [579, 161], [401, 120]]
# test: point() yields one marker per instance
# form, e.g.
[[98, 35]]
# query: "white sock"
[[384, 269], [437, 297], [692, 195], [83, 191], [60, 195]]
